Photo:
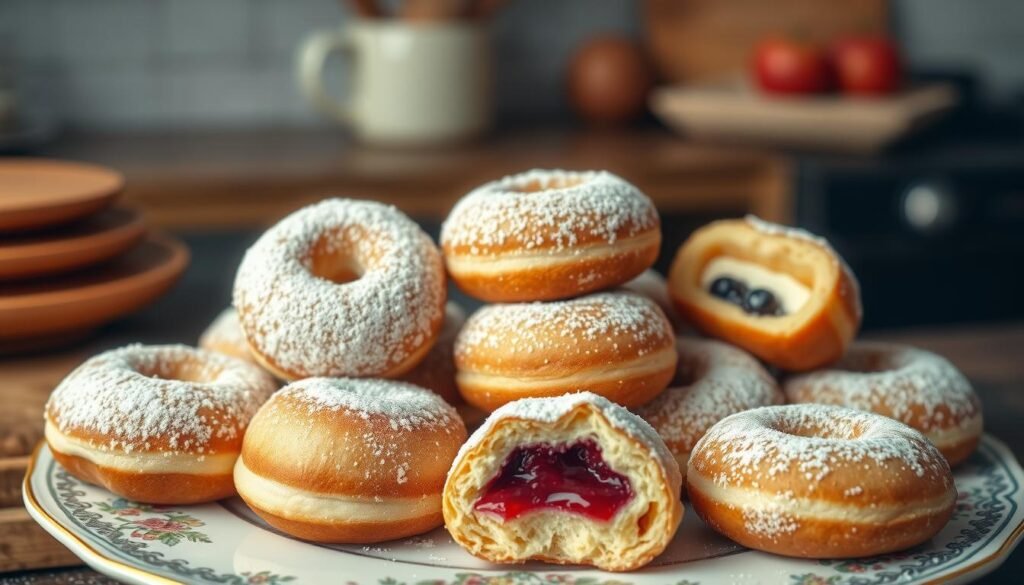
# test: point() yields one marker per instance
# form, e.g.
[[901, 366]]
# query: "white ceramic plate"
[[225, 543]]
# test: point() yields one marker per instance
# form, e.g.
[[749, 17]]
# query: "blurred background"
[[201, 106], [893, 128]]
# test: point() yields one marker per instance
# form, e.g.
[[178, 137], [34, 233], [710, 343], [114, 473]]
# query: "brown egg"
[[608, 80]]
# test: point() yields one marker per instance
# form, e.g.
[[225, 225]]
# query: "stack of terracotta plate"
[[70, 260]]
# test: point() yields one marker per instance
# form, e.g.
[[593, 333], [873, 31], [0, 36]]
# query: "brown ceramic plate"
[[89, 241], [37, 192], [51, 308]]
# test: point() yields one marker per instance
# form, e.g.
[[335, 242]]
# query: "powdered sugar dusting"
[[812, 440], [405, 406], [720, 380], [525, 328], [129, 394], [225, 330], [597, 204], [914, 386], [311, 326], [549, 410]]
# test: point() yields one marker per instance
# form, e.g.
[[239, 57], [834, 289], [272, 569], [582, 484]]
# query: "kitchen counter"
[[989, 355], [245, 178]]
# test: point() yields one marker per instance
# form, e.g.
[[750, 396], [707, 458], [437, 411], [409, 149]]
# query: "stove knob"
[[929, 207]]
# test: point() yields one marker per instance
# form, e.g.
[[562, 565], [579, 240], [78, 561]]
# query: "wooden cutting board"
[[26, 384]]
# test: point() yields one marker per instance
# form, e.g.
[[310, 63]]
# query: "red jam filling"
[[573, 478]]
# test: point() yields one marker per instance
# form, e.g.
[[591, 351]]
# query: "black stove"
[[934, 227]]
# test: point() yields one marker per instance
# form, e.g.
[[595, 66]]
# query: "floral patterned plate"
[[226, 543]]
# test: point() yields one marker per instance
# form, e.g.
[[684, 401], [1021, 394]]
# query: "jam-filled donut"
[[654, 286], [349, 460], [713, 381], [808, 480], [781, 293], [913, 386], [619, 345], [341, 288], [225, 336], [544, 235], [158, 424], [573, 480], [437, 370]]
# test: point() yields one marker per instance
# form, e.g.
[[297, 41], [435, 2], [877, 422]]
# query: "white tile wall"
[[196, 31], [158, 63]]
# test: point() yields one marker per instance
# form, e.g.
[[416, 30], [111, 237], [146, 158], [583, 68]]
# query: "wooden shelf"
[[251, 178]]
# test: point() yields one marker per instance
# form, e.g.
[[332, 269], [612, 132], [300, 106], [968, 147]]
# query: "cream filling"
[[953, 435], [295, 503], [582, 380], [790, 292], [140, 461], [519, 261], [789, 508]]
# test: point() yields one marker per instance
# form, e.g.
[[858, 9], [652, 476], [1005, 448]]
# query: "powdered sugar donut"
[[225, 336], [913, 386], [543, 235], [617, 344], [347, 460], [437, 370], [654, 286], [574, 479], [820, 481], [341, 288], [158, 424], [713, 381]]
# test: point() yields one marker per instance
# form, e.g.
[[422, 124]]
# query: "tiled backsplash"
[[132, 63], [127, 63]]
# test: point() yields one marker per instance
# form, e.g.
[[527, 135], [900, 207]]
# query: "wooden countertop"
[[251, 178]]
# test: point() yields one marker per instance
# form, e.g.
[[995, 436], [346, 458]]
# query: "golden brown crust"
[[287, 442], [643, 384], [605, 266], [348, 532], [816, 334], [436, 372], [820, 481], [619, 345], [151, 488], [820, 539], [338, 445]]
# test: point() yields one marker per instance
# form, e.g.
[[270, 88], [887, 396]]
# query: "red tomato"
[[790, 67], [867, 65]]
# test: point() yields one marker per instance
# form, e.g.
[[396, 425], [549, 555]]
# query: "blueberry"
[[762, 302], [729, 289]]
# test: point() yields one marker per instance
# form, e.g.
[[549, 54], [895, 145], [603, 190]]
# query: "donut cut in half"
[[780, 293], [572, 480]]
